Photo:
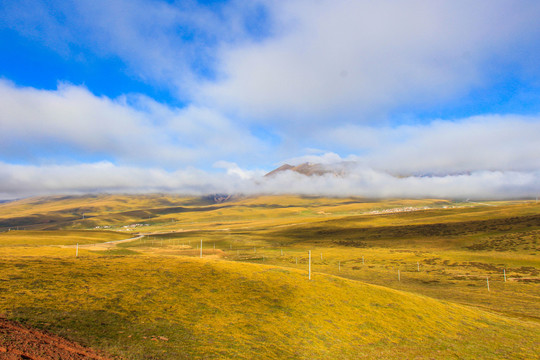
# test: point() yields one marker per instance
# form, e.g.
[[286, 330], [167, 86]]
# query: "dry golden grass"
[[247, 300], [71, 237], [173, 307]]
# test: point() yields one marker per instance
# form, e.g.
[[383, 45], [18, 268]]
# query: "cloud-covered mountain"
[[346, 178], [308, 169]]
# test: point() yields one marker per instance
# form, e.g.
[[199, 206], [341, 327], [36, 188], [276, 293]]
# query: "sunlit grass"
[[169, 307], [249, 296], [72, 237]]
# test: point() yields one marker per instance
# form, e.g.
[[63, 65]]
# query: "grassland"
[[169, 307], [249, 295], [68, 237]]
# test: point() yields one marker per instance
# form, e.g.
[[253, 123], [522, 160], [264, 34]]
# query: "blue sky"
[[418, 98]]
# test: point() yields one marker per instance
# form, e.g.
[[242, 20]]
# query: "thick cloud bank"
[[25, 180]]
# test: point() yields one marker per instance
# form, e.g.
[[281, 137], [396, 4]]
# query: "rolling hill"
[[391, 279]]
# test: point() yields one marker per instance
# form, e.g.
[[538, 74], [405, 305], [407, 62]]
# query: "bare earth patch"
[[21, 342]]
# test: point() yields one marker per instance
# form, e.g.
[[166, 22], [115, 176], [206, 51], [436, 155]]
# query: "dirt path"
[[21, 342], [104, 246]]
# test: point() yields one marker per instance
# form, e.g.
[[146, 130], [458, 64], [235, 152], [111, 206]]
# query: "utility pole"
[[309, 268]]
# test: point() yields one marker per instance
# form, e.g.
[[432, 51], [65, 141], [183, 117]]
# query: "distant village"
[[123, 228], [405, 209]]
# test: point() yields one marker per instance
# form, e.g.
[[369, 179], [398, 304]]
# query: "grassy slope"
[[456, 249], [217, 309], [60, 211]]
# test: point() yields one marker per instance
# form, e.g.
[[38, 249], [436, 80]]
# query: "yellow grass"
[[246, 300], [217, 309], [72, 237]]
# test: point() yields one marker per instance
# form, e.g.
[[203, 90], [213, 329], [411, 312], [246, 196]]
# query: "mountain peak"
[[307, 169]]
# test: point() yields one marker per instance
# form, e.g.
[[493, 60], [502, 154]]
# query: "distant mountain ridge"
[[307, 169], [341, 169]]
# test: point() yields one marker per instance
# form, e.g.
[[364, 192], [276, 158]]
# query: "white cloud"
[[331, 60], [135, 130], [485, 156], [324, 158], [361, 181], [145, 35], [20, 181], [234, 169], [169, 44], [336, 58], [488, 142], [73, 116]]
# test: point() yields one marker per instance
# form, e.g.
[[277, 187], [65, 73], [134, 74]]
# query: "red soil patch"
[[21, 342]]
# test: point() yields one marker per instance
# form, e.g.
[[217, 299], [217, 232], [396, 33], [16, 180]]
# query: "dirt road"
[[104, 246]]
